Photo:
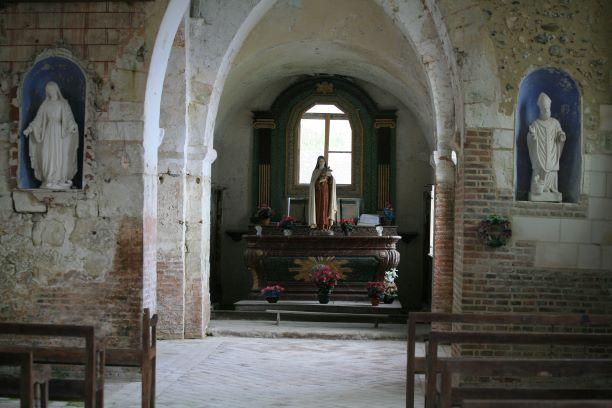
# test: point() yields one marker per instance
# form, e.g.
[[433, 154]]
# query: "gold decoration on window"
[[384, 123], [261, 123], [324, 88]]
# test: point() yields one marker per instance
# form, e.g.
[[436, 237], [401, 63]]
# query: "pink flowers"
[[272, 291], [326, 278]]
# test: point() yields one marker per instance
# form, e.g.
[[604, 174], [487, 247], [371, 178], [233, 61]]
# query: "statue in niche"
[[545, 142], [53, 141], [322, 196]]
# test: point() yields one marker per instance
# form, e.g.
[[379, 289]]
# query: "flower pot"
[[374, 300], [265, 221], [388, 300], [272, 299], [287, 232], [323, 297]]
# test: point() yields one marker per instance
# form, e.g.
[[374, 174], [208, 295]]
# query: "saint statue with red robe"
[[322, 196]]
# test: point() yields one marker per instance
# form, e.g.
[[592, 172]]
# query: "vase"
[[388, 300], [272, 299], [265, 221], [323, 297], [375, 300], [287, 232]]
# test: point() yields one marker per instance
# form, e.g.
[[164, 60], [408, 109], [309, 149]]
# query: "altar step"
[[312, 311]]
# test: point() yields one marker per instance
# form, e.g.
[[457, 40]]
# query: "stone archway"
[[208, 66]]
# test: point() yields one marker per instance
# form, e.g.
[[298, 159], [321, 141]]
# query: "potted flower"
[[272, 293], [264, 214], [287, 224], [325, 279], [390, 292], [495, 230], [347, 225], [375, 291]]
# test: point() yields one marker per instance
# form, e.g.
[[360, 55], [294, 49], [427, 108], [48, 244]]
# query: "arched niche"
[[565, 107], [57, 66], [373, 138]]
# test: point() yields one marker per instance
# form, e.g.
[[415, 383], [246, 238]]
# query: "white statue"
[[545, 141], [322, 196], [54, 141]]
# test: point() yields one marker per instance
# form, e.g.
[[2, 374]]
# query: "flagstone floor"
[[234, 372]]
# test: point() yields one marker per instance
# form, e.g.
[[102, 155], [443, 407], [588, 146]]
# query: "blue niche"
[[72, 84], [565, 107]]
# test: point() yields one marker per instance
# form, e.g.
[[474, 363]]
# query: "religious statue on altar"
[[322, 196], [53, 141], [545, 142]]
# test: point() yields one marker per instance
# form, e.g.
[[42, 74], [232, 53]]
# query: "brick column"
[[442, 279]]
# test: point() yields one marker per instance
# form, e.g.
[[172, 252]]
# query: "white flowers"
[[391, 275]]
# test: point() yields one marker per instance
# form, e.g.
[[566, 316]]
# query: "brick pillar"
[[442, 279]]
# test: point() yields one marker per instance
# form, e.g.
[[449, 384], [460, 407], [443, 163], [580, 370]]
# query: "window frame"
[[292, 186], [327, 117]]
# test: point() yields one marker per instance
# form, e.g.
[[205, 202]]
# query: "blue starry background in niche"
[[565, 107], [72, 84]]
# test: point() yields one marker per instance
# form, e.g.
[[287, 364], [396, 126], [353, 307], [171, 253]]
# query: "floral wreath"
[[494, 230]]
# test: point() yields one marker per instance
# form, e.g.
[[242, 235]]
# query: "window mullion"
[[326, 150]]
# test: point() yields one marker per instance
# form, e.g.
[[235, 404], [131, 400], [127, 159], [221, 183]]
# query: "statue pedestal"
[[546, 197]]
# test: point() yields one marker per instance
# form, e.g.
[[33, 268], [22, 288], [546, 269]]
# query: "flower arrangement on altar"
[[272, 293], [375, 291], [390, 292], [287, 223], [263, 214], [325, 279], [347, 225]]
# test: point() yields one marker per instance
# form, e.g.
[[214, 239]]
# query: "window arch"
[[325, 130], [355, 135], [328, 126]]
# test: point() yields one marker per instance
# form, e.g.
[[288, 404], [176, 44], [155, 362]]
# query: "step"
[[304, 316], [336, 306]]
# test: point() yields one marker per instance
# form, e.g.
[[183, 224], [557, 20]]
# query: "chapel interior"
[[335, 203]]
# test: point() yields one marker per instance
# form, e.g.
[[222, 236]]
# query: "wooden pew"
[[25, 361], [62, 355], [496, 366], [416, 365], [144, 358]]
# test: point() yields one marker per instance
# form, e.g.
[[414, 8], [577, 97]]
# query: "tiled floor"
[[233, 372]]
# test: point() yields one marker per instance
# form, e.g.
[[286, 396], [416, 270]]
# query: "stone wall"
[[77, 256], [559, 257]]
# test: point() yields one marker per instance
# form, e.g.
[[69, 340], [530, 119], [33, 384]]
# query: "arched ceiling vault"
[[352, 38]]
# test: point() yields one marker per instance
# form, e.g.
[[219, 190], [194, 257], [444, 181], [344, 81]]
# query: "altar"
[[361, 257]]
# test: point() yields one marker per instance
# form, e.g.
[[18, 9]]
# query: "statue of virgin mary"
[[322, 196], [54, 141]]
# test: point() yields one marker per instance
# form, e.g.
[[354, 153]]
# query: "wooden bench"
[[93, 384], [416, 365], [25, 361], [144, 358], [450, 396], [69, 390], [355, 317]]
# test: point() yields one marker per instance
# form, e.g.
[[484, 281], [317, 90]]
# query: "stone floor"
[[237, 372]]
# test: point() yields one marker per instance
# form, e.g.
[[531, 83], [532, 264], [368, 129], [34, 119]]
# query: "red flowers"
[[326, 278], [375, 289]]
